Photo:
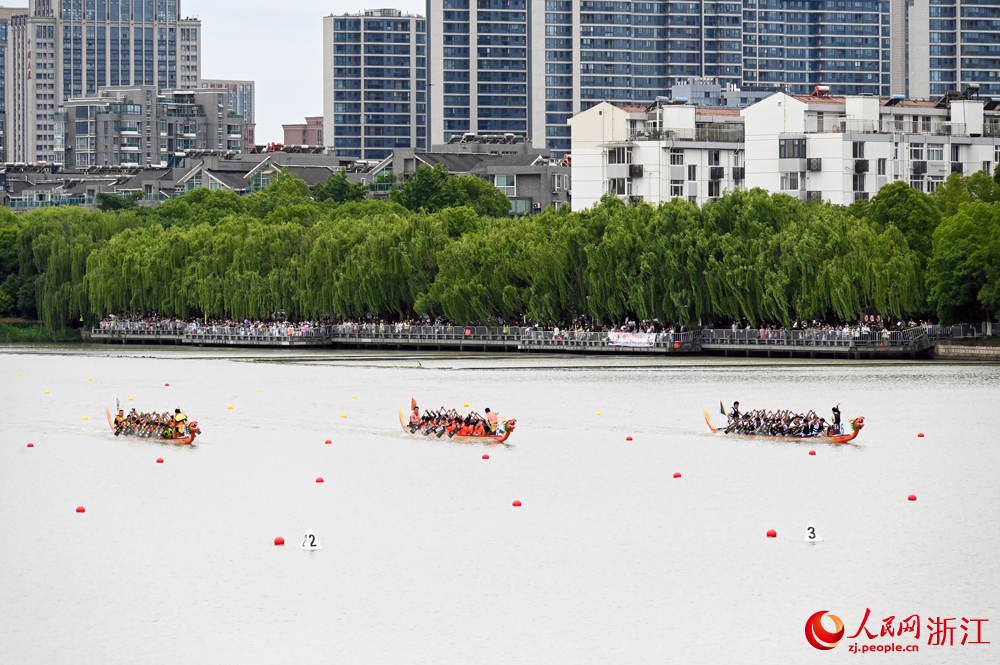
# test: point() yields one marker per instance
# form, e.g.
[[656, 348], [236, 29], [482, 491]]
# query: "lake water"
[[609, 560]]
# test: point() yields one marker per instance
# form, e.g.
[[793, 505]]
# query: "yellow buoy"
[[258, 390], [230, 407], [130, 399], [354, 396], [46, 392], [344, 415], [85, 418], [466, 404], [90, 379], [19, 374], [598, 413]]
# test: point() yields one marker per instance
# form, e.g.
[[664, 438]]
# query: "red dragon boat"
[[192, 432], [488, 438], [857, 423]]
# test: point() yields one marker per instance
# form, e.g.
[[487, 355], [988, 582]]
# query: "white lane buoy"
[[811, 535], [309, 542]]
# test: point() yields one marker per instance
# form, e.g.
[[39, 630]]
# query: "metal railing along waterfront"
[[814, 338]]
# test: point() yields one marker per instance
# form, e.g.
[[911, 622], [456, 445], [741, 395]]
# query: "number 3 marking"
[[812, 533]]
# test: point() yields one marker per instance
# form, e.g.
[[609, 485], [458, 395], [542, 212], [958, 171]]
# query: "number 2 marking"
[[310, 539]]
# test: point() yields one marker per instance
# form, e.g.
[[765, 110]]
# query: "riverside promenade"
[[908, 343]]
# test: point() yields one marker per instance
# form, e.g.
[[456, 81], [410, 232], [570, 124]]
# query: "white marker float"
[[310, 543], [811, 535]]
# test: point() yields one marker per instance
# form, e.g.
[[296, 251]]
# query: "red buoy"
[[329, 441], [279, 541], [771, 533], [677, 474], [812, 452], [159, 460], [485, 456], [517, 503], [628, 438], [912, 497], [320, 479], [31, 445], [920, 436], [167, 384], [81, 509]]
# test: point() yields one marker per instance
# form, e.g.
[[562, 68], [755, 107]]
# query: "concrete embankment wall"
[[967, 352]]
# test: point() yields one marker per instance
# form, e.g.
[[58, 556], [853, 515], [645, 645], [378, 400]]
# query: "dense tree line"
[[443, 246]]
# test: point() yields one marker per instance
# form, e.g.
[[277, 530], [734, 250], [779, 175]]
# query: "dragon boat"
[[856, 424], [488, 438], [192, 432]]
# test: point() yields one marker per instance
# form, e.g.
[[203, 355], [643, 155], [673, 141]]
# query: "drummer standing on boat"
[[734, 413]]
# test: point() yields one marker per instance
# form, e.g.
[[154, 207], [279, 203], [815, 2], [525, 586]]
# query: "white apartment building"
[[842, 149], [837, 149], [656, 153]]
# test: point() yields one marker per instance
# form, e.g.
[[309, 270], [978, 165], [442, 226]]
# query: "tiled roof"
[[630, 108], [717, 110]]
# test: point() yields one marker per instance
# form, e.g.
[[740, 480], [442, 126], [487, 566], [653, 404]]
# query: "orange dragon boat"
[[488, 438], [192, 432], [858, 423]]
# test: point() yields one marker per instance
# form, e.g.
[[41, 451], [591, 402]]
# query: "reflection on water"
[[608, 560]]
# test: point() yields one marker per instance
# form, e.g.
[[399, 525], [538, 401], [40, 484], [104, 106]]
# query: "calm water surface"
[[609, 560]]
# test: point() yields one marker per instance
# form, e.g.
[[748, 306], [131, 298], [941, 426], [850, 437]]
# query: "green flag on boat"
[[722, 409]]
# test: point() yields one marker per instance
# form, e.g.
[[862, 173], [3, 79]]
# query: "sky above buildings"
[[278, 45]]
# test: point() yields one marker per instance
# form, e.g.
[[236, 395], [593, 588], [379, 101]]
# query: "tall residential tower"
[[374, 83], [66, 49]]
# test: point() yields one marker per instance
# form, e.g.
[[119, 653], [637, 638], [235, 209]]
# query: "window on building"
[[996, 155], [956, 153], [859, 182], [619, 155], [676, 157], [714, 188], [917, 182], [713, 157], [988, 167], [933, 181], [858, 150], [692, 172], [880, 165], [676, 188], [935, 152], [793, 180], [791, 148], [917, 151], [506, 184], [620, 186], [557, 183]]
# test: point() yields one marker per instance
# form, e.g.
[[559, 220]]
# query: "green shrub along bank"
[[443, 246], [35, 332]]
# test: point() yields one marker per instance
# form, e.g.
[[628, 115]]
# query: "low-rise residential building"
[[528, 176], [812, 147], [842, 149], [707, 91], [308, 133], [656, 153], [136, 126]]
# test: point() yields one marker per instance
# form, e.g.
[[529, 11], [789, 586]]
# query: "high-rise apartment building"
[[66, 49], [6, 13], [844, 44], [240, 96], [953, 43], [374, 83]]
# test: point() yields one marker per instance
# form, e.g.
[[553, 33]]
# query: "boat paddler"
[[119, 422], [491, 418], [179, 420]]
